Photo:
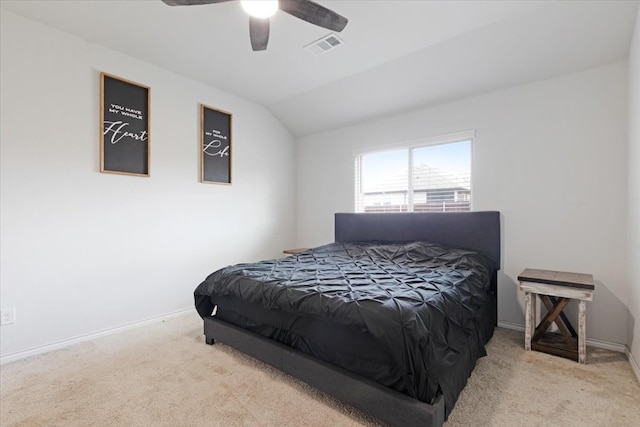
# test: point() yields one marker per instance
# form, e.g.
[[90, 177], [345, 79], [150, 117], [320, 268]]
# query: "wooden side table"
[[294, 251], [556, 289]]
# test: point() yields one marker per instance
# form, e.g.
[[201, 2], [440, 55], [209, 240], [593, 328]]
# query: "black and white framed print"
[[124, 126], [215, 146]]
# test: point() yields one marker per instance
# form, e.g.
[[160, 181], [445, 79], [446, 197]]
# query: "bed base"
[[383, 403]]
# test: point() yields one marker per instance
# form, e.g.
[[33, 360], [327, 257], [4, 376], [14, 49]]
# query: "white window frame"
[[468, 135]]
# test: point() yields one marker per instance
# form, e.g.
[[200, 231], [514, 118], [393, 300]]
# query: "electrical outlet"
[[7, 316]]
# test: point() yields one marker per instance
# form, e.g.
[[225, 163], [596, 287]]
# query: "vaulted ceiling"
[[397, 55]]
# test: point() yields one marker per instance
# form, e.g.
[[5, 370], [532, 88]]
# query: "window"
[[431, 175]]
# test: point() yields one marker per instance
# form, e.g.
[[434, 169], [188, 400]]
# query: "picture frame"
[[125, 143], [215, 145]]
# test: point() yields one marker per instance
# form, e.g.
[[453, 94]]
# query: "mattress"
[[412, 316]]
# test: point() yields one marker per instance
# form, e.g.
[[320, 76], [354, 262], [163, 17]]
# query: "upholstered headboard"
[[478, 231]]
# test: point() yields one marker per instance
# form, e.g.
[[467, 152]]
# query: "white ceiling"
[[398, 55]]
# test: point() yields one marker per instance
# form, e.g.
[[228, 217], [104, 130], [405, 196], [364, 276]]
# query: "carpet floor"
[[164, 375]]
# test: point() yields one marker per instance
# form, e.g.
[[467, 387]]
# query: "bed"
[[390, 318]]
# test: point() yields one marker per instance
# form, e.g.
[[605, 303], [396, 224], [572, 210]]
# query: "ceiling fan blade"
[[259, 33], [312, 12], [192, 2]]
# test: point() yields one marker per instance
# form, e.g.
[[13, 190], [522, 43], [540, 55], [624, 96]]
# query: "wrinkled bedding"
[[427, 308]]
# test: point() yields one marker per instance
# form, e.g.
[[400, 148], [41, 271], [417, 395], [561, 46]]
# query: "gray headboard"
[[478, 231]]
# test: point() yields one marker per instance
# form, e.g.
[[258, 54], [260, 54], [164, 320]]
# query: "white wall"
[[82, 251], [634, 194], [551, 156]]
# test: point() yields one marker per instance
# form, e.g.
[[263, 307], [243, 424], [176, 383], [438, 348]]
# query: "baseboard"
[[512, 326], [633, 362], [607, 345], [12, 357]]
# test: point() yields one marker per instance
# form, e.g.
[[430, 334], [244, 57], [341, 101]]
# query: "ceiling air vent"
[[324, 44]]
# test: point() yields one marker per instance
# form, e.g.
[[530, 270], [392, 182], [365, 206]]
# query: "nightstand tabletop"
[[560, 278]]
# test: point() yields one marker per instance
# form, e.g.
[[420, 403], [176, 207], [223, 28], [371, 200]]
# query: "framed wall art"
[[215, 145], [124, 126]]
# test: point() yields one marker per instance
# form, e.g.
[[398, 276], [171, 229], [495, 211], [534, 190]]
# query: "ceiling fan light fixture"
[[260, 8]]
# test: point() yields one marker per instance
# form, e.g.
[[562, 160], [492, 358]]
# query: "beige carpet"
[[164, 375]]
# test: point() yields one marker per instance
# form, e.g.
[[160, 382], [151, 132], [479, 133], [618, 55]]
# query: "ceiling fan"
[[306, 10]]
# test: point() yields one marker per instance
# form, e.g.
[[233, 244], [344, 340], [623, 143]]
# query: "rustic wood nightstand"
[[294, 251], [556, 289]]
